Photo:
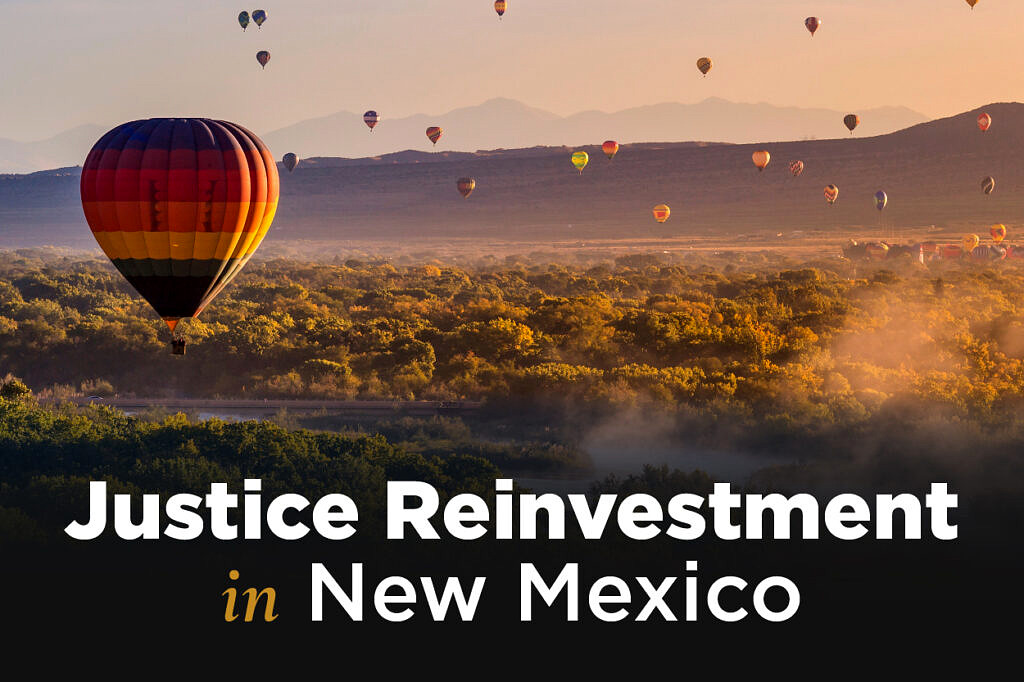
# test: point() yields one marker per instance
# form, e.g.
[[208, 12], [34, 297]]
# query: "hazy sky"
[[68, 62]]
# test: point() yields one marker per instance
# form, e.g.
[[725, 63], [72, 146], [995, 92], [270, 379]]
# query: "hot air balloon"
[[179, 205], [290, 161], [796, 168], [761, 159], [263, 57], [969, 242], [972, 3], [812, 24], [998, 232], [984, 122], [466, 186], [579, 161], [500, 6], [881, 200], [243, 20], [434, 134], [661, 212], [371, 119], [259, 16], [704, 64], [610, 148], [988, 184], [831, 194], [851, 121]]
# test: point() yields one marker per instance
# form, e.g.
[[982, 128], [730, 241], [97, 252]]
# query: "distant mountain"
[[67, 149], [506, 124], [932, 173]]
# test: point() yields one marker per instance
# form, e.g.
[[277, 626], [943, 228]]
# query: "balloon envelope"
[[704, 65], [371, 118], [243, 20], [579, 160], [179, 205], [761, 159], [661, 212], [998, 232], [796, 168], [851, 121], [984, 122], [290, 161], [434, 134], [969, 242], [466, 186], [812, 24], [263, 57], [831, 193], [259, 16], [500, 6], [610, 148], [881, 200], [988, 184]]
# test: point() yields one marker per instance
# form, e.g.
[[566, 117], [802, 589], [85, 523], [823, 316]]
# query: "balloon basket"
[[177, 346]]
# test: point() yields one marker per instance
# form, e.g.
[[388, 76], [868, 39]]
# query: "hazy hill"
[[68, 148], [931, 172], [505, 123]]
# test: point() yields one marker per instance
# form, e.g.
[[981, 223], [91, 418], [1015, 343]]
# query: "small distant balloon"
[[263, 57], [704, 65], [371, 118], [761, 159], [290, 161], [984, 122], [988, 184], [243, 20], [998, 232], [610, 148], [661, 212], [972, 3], [434, 133], [851, 121], [831, 194], [580, 160], [466, 186], [259, 16], [796, 168], [881, 200], [812, 24], [500, 6], [969, 242]]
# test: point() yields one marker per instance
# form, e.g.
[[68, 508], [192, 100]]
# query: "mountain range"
[[506, 124]]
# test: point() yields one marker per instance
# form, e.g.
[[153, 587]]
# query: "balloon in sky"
[[881, 200], [984, 122], [371, 118], [263, 57], [812, 24], [466, 186], [179, 205], [998, 232], [434, 134], [290, 161], [761, 159], [969, 242], [851, 121], [259, 16], [661, 212], [972, 3], [831, 194], [610, 148], [500, 6], [988, 184], [704, 64], [796, 168], [243, 20], [579, 161]]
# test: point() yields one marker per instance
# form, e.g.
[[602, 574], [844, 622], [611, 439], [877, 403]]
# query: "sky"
[[65, 63]]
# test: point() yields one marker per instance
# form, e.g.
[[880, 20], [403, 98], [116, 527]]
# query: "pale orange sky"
[[68, 62]]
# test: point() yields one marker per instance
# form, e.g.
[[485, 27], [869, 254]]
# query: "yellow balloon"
[[579, 161], [761, 159], [998, 232], [969, 242], [661, 212]]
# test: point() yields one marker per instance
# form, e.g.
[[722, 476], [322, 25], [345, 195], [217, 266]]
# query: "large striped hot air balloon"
[[466, 186], [579, 160], [661, 212], [434, 134], [610, 148], [371, 118], [179, 205], [761, 159]]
